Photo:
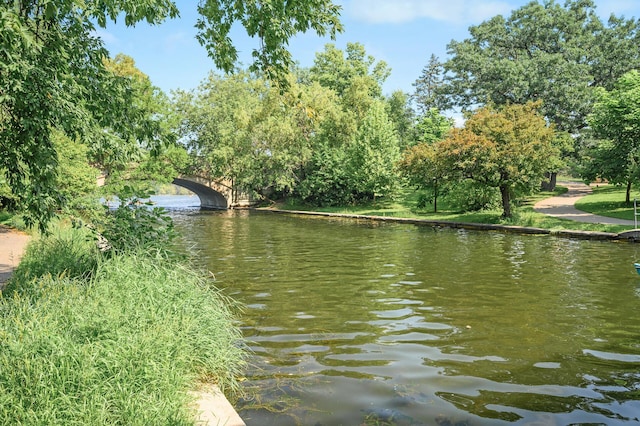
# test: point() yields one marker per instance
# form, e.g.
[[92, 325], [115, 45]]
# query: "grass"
[[121, 345], [608, 201], [523, 212], [12, 220]]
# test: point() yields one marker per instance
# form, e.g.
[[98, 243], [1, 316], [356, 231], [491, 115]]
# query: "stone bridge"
[[214, 194]]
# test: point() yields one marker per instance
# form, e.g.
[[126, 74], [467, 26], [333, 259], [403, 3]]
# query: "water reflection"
[[359, 323]]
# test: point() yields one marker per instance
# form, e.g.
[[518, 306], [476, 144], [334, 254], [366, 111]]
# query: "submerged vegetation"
[[89, 339]]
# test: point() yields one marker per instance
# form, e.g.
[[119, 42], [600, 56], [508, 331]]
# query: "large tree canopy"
[[508, 148], [543, 51], [52, 74], [616, 121]]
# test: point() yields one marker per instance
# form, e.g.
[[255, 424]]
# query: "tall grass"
[[122, 345]]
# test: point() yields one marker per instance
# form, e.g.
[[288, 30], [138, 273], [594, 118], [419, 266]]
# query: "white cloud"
[[453, 11]]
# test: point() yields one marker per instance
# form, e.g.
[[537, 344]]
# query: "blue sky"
[[403, 33]]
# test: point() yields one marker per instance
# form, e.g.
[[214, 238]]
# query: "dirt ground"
[[12, 246]]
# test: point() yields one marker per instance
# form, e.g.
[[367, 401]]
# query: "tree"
[[333, 69], [241, 130], [543, 52], [432, 127], [52, 77], [373, 155], [336, 173], [148, 114], [402, 116], [425, 167], [508, 148], [272, 22], [428, 87], [52, 74], [76, 178], [424, 164], [216, 126], [616, 120]]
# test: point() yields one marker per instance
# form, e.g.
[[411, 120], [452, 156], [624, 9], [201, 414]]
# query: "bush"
[[470, 196], [135, 225]]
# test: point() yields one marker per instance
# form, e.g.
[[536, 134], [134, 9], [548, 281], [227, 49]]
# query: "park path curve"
[[12, 246], [563, 206]]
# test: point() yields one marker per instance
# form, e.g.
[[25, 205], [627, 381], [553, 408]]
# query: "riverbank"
[[560, 207], [631, 235], [117, 342]]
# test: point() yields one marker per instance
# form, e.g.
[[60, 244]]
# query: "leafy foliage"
[[239, 129], [616, 120], [424, 167], [272, 22], [76, 179], [543, 51], [135, 225], [432, 127], [508, 148], [402, 116], [52, 77], [373, 155], [341, 71], [428, 87]]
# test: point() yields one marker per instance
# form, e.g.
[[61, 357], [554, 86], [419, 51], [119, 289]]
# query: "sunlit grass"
[[121, 345], [523, 213], [609, 201]]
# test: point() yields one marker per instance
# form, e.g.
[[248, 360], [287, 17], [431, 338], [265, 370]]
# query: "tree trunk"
[[506, 201], [435, 197], [549, 185], [628, 199]]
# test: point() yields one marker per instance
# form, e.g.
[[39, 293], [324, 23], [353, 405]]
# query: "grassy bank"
[[523, 213], [608, 201], [92, 340]]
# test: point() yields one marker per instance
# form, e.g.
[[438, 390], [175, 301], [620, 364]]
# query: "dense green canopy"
[[543, 51], [53, 76]]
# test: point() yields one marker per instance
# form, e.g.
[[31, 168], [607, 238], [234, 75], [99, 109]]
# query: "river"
[[353, 322]]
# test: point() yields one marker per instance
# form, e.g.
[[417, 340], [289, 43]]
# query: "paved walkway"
[[12, 246], [562, 206]]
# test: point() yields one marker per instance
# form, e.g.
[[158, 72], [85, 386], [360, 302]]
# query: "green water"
[[353, 323]]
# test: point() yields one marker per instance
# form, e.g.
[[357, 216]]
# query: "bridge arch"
[[210, 198]]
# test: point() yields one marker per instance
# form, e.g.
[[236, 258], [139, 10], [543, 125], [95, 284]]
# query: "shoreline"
[[632, 235]]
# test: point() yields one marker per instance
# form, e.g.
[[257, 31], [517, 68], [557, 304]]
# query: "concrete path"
[[562, 206], [12, 246]]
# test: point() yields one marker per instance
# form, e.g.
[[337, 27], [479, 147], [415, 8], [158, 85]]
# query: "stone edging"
[[631, 236], [214, 409]]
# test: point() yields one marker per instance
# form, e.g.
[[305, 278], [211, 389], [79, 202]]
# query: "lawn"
[[523, 213], [608, 200]]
